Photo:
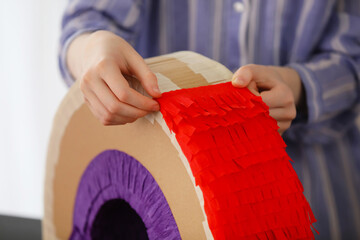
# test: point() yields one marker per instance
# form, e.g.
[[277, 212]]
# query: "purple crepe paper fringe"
[[112, 175]]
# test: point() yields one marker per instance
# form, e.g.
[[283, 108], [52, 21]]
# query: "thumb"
[[242, 77]]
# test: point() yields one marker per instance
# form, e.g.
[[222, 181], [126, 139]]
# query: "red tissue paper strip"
[[239, 161]]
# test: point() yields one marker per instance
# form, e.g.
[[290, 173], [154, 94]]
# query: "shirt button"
[[238, 7]]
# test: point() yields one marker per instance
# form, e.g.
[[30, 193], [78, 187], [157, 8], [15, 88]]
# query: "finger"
[[96, 107], [113, 105], [116, 120], [262, 75], [121, 89], [142, 72], [102, 114], [279, 97], [283, 114], [283, 126], [273, 98], [253, 88]]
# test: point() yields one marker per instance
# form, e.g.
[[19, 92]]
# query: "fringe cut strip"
[[238, 159]]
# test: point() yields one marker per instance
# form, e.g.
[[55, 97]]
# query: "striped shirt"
[[320, 39]]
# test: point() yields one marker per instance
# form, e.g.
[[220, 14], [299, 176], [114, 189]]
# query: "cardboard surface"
[[183, 77], [142, 140]]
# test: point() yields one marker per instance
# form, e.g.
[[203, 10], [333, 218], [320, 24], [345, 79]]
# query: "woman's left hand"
[[280, 88]]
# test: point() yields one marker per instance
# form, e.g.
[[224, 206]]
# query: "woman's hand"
[[280, 88], [99, 61]]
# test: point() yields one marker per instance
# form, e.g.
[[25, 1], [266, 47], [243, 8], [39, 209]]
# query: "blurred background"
[[31, 90]]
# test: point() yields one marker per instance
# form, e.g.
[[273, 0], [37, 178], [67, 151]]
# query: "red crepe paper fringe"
[[239, 161]]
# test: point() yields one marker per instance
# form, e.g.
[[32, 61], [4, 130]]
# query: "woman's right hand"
[[99, 61]]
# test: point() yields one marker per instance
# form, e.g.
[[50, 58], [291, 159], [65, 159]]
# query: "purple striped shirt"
[[320, 39]]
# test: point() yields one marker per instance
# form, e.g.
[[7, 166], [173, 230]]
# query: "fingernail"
[[238, 80], [156, 107], [156, 89]]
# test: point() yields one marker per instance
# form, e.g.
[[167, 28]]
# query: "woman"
[[301, 57]]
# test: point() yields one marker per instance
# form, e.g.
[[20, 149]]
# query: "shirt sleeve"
[[120, 17], [331, 76]]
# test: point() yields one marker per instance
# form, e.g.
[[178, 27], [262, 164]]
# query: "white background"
[[30, 91]]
